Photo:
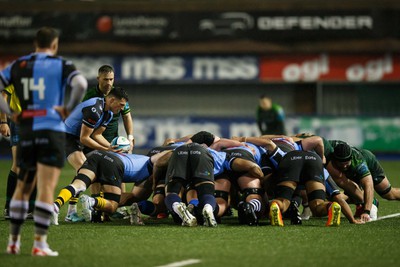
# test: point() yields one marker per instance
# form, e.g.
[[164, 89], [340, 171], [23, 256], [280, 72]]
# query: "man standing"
[[270, 117], [12, 131], [39, 80], [105, 84]]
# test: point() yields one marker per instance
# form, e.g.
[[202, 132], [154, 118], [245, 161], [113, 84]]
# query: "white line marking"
[[388, 216], [181, 263]]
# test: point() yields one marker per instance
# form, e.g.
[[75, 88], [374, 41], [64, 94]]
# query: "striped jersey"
[[39, 80]]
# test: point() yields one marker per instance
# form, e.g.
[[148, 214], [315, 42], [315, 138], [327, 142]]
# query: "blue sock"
[[207, 199], [171, 199], [194, 201], [146, 207]]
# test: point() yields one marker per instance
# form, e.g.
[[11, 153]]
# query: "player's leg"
[[319, 207], [108, 203], [78, 185], [19, 206], [175, 180], [11, 182], [251, 208], [283, 194], [222, 188]]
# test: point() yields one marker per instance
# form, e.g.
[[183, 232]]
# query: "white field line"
[[181, 263], [388, 216]]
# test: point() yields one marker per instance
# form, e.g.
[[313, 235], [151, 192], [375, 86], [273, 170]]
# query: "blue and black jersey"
[[91, 113], [39, 80]]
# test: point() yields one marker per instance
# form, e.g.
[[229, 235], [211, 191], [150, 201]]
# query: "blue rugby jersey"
[[136, 167], [39, 80], [253, 149], [219, 160], [91, 113]]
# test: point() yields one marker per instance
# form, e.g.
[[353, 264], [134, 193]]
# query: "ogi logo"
[[372, 70], [308, 71]]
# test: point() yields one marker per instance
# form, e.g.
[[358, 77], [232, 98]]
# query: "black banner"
[[196, 26]]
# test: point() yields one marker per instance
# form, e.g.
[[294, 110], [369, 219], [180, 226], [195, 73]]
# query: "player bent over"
[[191, 164], [102, 167], [302, 167], [293, 168]]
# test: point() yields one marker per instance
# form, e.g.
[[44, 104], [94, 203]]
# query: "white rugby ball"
[[121, 142]]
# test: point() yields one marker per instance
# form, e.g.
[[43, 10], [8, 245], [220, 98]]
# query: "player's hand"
[[365, 217], [5, 129], [132, 142], [62, 111], [169, 141], [358, 221], [114, 149], [238, 138]]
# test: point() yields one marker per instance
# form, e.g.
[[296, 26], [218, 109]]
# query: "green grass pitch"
[[160, 243]]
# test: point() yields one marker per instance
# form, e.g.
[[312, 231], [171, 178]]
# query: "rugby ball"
[[121, 142]]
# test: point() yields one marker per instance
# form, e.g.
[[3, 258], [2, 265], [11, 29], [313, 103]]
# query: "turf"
[[161, 242]]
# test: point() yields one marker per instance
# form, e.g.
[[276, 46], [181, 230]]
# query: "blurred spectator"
[[270, 117]]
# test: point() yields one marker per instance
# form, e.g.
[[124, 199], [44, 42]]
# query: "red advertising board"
[[325, 67]]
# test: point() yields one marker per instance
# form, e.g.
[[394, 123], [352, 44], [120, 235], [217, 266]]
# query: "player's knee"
[[315, 199], [253, 192], [221, 195], [284, 192], [158, 199], [205, 189], [81, 182], [255, 171], [174, 186], [387, 193], [113, 200]]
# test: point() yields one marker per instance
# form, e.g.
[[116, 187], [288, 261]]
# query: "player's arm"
[[97, 135], [78, 88], [87, 140], [345, 183], [368, 186], [276, 136], [225, 143], [96, 139], [244, 165], [316, 144], [258, 141], [346, 210], [4, 128], [160, 163], [128, 125], [4, 108], [169, 141]]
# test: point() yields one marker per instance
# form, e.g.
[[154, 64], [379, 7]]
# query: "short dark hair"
[[106, 69], [45, 37], [342, 152], [203, 137], [119, 93]]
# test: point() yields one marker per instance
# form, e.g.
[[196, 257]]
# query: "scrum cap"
[[342, 152]]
